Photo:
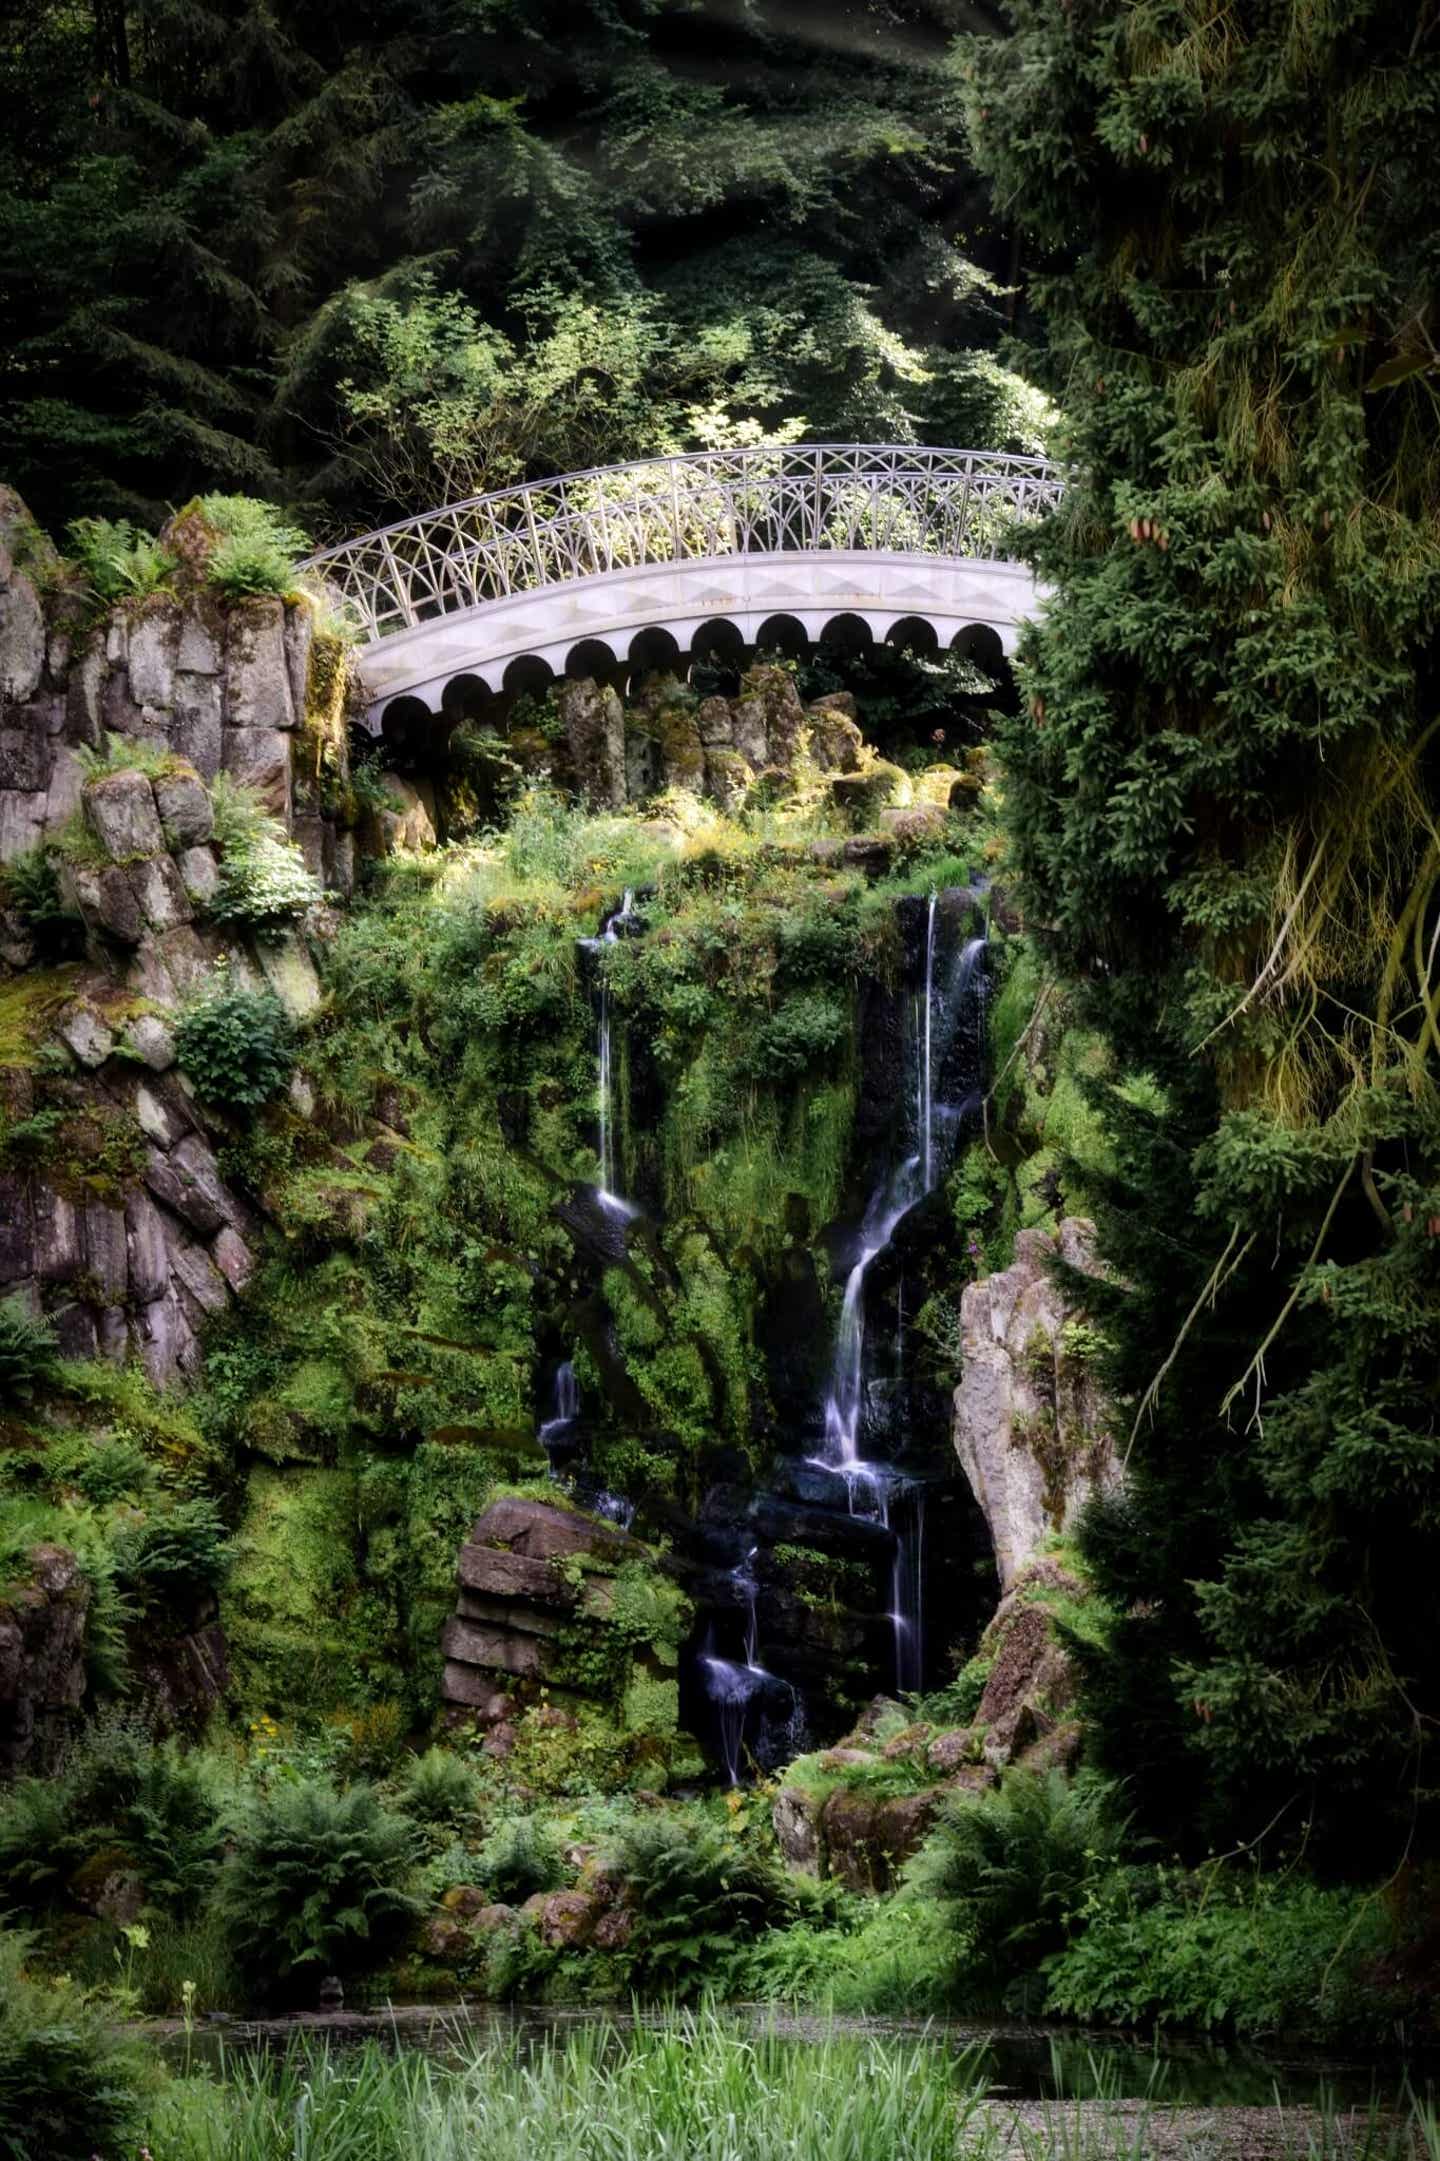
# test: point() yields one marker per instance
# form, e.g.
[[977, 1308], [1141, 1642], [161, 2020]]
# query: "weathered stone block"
[[190, 1186], [17, 1228], [595, 732], [233, 1258], [106, 1255], [259, 758], [497, 1573], [22, 638], [65, 788], [84, 693], [147, 1248], [199, 874], [85, 1034], [59, 1237], [121, 813], [151, 1041], [160, 892], [196, 728], [185, 813], [471, 1643], [196, 1273], [22, 821], [257, 675], [24, 755], [154, 646]]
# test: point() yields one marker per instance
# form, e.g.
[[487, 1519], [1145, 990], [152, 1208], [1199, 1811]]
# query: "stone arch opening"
[[653, 652], [717, 653], [914, 634], [592, 657], [848, 633], [465, 697], [528, 676], [783, 634]]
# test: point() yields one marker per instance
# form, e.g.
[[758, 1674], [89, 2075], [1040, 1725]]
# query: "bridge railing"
[[804, 498]]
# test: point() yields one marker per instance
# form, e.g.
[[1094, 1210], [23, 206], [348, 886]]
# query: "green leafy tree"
[[1223, 797]]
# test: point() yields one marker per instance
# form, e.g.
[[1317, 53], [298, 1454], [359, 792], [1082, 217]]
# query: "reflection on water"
[[1023, 2062]]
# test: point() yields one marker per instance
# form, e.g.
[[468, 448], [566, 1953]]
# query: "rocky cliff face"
[[117, 1223], [1032, 1429]]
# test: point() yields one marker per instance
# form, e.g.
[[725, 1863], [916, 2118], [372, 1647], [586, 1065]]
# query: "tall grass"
[[695, 2086], [702, 2087]]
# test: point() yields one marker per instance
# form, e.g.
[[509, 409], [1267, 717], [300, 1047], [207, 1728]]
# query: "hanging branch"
[[1257, 1363], [1215, 1282]]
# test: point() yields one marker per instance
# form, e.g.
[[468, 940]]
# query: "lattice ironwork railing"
[[806, 498]]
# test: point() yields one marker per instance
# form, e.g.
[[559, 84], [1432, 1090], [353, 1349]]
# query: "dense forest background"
[[365, 258]]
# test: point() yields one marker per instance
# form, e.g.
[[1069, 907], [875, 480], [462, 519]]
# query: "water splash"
[[559, 1427]]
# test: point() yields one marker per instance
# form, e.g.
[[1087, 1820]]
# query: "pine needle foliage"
[[1224, 797]]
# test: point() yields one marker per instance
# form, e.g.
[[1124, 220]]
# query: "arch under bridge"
[[633, 567]]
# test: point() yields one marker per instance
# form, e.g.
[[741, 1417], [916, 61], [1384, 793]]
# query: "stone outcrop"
[[515, 1598], [224, 687], [1032, 1428], [42, 1658]]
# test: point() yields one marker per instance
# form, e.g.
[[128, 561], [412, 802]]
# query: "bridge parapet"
[[531, 572]]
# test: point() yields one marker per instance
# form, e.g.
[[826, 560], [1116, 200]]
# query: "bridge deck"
[[512, 586]]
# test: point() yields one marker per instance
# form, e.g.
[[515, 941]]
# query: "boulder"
[[199, 874], [715, 723], [1033, 1684], [1032, 1428], [148, 1039], [120, 810], [568, 1919], [188, 1184], [594, 721], [728, 777], [86, 1034], [24, 754], [185, 810], [498, 1574], [835, 740], [147, 1248], [544, 1533]]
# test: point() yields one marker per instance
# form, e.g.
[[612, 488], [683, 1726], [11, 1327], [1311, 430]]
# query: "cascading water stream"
[[871, 1487], [564, 1408], [611, 931]]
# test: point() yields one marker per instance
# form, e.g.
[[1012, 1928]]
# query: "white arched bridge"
[[630, 567]]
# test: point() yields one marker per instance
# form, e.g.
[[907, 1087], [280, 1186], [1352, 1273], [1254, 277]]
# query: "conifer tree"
[[1225, 807]]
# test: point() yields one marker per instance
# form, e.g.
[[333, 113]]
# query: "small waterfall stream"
[[875, 1488], [613, 928]]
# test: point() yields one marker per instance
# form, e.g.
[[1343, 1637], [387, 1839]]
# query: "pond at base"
[[1016, 2060]]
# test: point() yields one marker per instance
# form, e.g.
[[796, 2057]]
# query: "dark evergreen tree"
[[325, 252], [1225, 802]]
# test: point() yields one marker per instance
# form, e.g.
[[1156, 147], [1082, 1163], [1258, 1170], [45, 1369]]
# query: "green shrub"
[[317, 1882], [38, 1844], [799, 1035], [520, 1857], [119, 561], [175, 1555], [67, 2084], [257, 549], [1252, 1953], [1020, 1860], [30, 888], [698, 1897], [237, 1046], [171, 1829], [263, 883], [440, 1788], [29, 1358]]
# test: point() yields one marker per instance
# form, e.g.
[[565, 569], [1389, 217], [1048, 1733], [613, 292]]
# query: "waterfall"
[[873, 1488], [564, 1407], [731, 1688], [612, 929]]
